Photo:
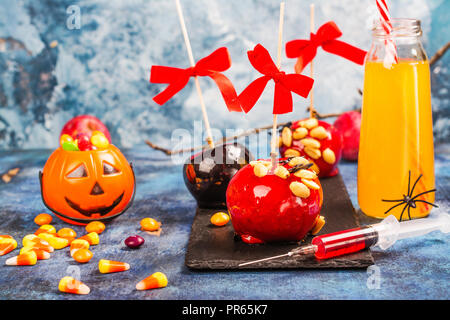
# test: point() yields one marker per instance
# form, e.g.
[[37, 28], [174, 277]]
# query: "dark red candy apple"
[[207, 173], [349, 124], [317, 141], [275, 205], [85, 124]]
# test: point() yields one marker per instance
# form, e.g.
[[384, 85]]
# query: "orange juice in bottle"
[[396, 155]]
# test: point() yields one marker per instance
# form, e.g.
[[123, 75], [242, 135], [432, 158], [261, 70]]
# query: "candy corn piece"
[[71, 285], [7, 244], [40, 254], [32, 240], [109, 266], [92, 238], [46, 228], [156, 280], [28, 258], [56, 242], [78, 244]]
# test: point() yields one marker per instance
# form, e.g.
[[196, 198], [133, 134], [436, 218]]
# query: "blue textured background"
[[103, 68]]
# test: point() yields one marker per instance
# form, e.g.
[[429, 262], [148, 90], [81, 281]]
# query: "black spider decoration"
[[409, 200]]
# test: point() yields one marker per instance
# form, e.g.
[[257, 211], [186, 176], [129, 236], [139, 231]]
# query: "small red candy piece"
[[84, 142]]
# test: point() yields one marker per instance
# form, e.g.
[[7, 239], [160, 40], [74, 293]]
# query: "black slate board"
[[216, 248]]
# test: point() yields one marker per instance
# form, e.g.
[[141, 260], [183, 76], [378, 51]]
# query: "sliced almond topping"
[[320, 222], [310, 142], [282, 172], [319, 133], [286, 136], [311, 123], [311, 184], [291, 153], [299, 189], [306, 174], [300, 133], [312, 152], [297, 160], [329, 156], [260, 170]]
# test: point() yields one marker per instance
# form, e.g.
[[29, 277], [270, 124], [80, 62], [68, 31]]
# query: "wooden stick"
[[274, 153], [439, 53], [197, 83], [311, 74]]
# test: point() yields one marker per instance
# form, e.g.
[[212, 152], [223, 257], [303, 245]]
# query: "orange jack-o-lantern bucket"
[[83, 186]]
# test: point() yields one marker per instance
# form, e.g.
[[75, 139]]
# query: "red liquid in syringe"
[[344, 242]]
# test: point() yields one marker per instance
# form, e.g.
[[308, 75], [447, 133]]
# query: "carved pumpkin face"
[[83, 186]]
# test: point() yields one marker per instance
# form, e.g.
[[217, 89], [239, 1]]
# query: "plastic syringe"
[[383, 235]]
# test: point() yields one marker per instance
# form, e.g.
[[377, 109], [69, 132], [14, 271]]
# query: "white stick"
[[311, 94], [197, 83], [274, 153]]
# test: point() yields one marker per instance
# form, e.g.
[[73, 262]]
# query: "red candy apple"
[[349, 124], [317, 141], [283, 205], [84, 124]]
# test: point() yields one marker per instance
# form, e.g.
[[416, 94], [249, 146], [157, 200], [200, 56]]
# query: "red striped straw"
[[391, 50]]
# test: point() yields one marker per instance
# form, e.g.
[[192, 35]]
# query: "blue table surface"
[[412, 269]]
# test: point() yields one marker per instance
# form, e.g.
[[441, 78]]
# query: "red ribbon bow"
[[284, 83], [210, 66], [305, 50]]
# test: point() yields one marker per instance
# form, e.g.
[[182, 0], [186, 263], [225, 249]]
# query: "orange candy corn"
[[77, 245], [92, 238], [42, 219], [40, 254], [46, 228], [156, 280], [7, 244], [28, 258], [54, 241], [32, 240], [109, 266], [71, 285], [82, 255], [95, 226]]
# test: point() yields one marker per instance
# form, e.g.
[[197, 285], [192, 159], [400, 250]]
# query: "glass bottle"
[[396, 142]]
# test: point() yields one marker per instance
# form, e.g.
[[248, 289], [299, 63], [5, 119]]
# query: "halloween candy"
[[71, 285], [78, 244], [110, 266], [43, 218], [156, 280], [134, 242], [82, 255], [28, 258]]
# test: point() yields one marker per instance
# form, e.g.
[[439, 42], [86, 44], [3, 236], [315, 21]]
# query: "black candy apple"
[[207, 173]]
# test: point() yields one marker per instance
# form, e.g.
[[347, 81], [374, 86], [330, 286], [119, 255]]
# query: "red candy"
[[84, 142], [134, 242]]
